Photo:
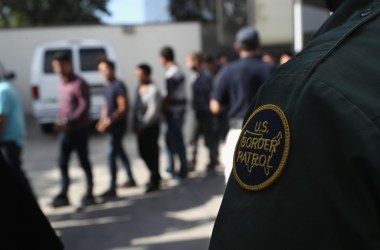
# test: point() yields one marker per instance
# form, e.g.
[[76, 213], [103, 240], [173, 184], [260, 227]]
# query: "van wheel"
[[47, 128]]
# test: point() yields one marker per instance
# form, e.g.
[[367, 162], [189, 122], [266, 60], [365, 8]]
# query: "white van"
[[85, 55]]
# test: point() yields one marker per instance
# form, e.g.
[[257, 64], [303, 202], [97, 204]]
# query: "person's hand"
[[99, 126], [61, 126], [103, 125]]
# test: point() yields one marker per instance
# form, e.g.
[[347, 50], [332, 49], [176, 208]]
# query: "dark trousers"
[[11, 152], [204, 125], [67, 143], [221, 126], [115, 150], [175, 143], [149, 151]]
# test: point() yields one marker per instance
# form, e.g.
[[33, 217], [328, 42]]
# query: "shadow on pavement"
[[176, 218]]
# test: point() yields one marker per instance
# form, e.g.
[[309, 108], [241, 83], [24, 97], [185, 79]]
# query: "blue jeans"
[[116, 149], [175, 143], [68, 142]]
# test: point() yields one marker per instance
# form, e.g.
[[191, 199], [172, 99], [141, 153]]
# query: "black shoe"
[[87, 200], [60, 200], [152, 188], [108, 195], [129, 184], [191, 166]]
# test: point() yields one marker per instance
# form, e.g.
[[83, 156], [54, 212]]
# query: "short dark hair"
[[62, 57], [209, 59], [167, 53], [110, 64], [145, 68], [196, 56]]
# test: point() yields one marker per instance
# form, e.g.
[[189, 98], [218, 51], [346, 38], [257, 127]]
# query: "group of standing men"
[[73, 125], [230, 92]]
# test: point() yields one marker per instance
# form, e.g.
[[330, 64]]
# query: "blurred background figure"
[[174, 108], [268, 57], [221, 60], [73, 125], [285, 57], [237, 84], [12, 129], [146, 123], [113, 119], [203, 124], [209, 63]]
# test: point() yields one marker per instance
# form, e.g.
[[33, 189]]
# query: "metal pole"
[[251, 13], [297, 25], [219, 21]]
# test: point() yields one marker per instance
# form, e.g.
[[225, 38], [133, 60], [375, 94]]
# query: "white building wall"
[[274, 20], [133, 45]]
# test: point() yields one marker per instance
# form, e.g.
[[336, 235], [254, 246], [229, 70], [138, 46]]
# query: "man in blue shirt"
[[237, 84], [204, 121], [114, 120], [12, 129]]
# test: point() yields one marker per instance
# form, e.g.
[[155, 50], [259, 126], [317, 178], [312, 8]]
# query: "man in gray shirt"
[[146, 123]]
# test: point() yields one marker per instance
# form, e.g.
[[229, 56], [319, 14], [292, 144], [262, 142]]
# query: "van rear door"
[[46, 86]]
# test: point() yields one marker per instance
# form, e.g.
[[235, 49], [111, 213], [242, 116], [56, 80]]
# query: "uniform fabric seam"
[[341, 40], [349, 101]]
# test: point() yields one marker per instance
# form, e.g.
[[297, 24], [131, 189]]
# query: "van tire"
[[47, 128]]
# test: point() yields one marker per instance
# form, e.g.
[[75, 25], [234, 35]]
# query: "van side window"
[[89, 58], [50, 55]]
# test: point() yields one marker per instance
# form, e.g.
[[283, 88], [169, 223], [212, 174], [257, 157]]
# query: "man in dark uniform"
[[24, 224], [306, 167], [236, 85]]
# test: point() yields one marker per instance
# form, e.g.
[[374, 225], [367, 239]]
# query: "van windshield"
[[90, 57], [51, 54]]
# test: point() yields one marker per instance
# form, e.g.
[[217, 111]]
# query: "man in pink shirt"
[[73, 126]]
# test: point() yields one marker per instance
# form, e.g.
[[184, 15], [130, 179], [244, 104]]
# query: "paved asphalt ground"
[[174, 218]]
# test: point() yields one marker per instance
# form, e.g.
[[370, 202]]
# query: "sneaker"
[[60, 200], [174, 182], [129, 184], [87, 200], [166, 175], [108, 195], [191, 166], [152, 188]]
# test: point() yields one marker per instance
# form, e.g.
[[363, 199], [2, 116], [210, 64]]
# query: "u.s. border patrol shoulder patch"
[[262, 148]]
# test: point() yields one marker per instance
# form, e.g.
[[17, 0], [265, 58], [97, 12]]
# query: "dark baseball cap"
[[247, 38]]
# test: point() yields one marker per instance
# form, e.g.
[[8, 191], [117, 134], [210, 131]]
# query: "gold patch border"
[[279, 170]]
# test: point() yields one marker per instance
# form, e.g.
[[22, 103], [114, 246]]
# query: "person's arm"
[[121, 111], [119, 114], [153, 108], [83, 96], [219, 95], [171, 85], [3, 122], [215, 107], [100, 126]]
